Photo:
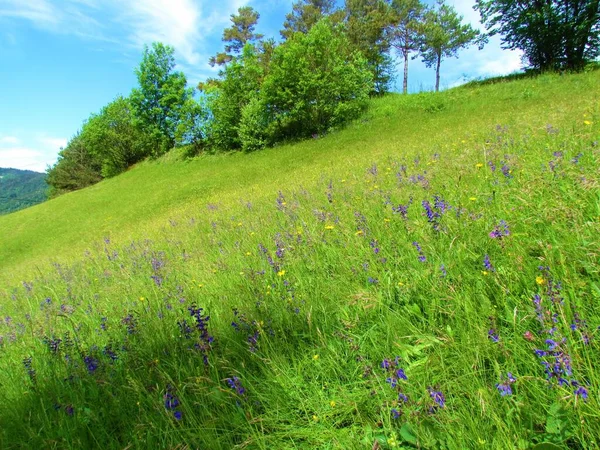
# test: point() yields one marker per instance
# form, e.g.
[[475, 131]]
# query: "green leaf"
[[546, 446], [407, 434]]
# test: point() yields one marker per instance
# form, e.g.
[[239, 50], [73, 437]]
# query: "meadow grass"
[[426, 278]]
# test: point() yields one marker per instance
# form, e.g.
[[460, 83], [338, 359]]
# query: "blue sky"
[[61, 60]]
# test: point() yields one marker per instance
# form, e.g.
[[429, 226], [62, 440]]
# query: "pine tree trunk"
[[405, 83], [437, 73]]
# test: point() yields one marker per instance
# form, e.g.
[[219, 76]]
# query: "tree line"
[[317, 77]]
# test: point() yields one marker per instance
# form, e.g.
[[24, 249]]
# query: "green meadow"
[[427, 277]]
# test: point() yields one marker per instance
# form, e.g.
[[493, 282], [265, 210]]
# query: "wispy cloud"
[[30, 153]]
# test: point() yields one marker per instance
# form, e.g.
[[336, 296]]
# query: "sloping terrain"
[[426, 278]]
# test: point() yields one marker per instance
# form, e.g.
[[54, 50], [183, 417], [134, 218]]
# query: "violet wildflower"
[[422, 257], [493, 335], [438, 397], [172, 402], [501, 230], [443, 271], [91, 363], [395, 413], [27, 362], [236, 383], [504, 387], [488, 264]]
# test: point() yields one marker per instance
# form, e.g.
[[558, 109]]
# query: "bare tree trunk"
[[437, 73], [405, 83]]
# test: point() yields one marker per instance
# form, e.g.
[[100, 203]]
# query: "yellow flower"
[[332, 404], [386, 220], [239, 224], [463, 141], [400, 283], [315, 357], [329, 227], [540, 280], [315, 418], [142, 299], [281, 273], [359, 232], [200, 285], [472, 198], [248, 253], [587, 122], [484, 272], [479, 165], [343, 181]]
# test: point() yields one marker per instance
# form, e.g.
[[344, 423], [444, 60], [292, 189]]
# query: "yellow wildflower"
[[281, 273], [484, 272], [248, 253], [472, 198], [329, 227], [315, 418], [587, 122], [142, 299], [315, 357], [359, 232], [332, 404], [540, 280], [479, 165]]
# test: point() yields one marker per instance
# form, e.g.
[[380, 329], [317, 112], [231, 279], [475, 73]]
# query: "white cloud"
[[22, 158], [11, 140], [31, 153]]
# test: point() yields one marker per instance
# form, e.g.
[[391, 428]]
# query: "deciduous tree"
[[553, 34], [443, 35]]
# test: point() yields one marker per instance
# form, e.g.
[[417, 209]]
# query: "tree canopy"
[[553, 34]]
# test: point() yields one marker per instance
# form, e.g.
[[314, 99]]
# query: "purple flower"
[[493, 335], [395, 413], [488, 264], [501, 230], [236, 383], [504, 387], [91, 363], [438, 397]]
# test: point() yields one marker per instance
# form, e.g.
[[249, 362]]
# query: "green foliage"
[[553, 34], [240, 33], [112, 138], [76, 168], [443, 35], [240, 82], [159, 101], [307, 250], [314, 83], [20, 189], [306, 13], [366, 25], [406, 30], [254, 126]]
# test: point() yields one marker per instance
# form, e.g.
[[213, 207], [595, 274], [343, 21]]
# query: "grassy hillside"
[[20, 189], [426, 278]]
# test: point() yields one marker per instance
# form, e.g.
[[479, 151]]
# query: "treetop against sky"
[[64, 59]]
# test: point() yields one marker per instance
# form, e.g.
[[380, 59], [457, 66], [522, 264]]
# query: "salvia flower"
[[500, 231], [438, 397], [236, 383], [504, 387], [488, 264]]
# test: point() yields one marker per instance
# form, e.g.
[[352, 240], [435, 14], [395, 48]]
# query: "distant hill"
[[20, 189]]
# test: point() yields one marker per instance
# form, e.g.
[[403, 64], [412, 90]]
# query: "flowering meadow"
[[438, 293]]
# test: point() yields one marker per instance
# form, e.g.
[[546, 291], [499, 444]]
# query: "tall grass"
[[426, 278]]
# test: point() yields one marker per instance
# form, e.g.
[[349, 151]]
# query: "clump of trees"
[[317, 78], [553, 34]]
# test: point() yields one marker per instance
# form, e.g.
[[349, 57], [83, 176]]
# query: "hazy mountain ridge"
[[20, 189]]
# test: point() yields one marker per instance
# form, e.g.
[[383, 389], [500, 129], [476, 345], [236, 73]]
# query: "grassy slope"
[[343, 290], [142, 200]]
